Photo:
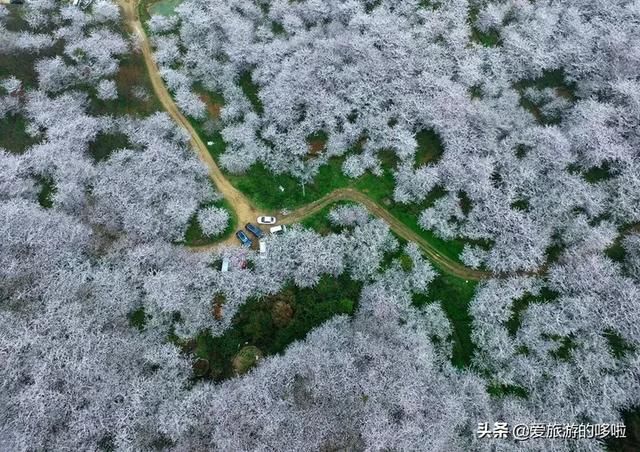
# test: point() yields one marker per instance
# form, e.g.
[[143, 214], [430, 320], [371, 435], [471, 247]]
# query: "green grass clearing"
[[245, 359], [136, 96], [21, 64], [598, 173], [550, 79], [163, 7], [138, 318], [631, 443], [319, 221], [567, 345], [502, 390], [277, 28], [616, 251], [13, 135], [619, 347], [521, 204], [455, 295], [429, 4], [475, 92], [519, 307], [47, 191], [250, 89], [106, 143], [272, 323], [430, 147]]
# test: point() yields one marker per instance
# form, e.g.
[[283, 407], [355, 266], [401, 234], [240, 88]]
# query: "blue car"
[[246, 242], [255, 230]]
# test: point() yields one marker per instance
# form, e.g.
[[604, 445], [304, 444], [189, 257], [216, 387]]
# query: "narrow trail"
[[245, 210]]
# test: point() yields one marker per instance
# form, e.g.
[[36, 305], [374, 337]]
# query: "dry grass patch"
[[213, 105], [246, 358]]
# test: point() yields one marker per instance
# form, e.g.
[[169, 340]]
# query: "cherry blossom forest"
[[502, 135]]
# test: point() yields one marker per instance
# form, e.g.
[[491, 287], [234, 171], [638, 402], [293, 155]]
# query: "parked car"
[[225, 265], [263, 247], [266, 220], [255, 230], [279, 229], [244, 240]]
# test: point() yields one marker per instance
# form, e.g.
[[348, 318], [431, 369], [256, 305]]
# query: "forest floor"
[[245, 209]]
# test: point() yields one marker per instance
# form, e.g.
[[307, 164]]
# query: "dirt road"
[[244, 208], [349, 194]]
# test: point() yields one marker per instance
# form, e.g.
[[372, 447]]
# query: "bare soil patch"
[[213, 107]]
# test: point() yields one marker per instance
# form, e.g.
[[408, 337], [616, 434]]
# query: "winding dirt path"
[[245, 210], [349, 194]]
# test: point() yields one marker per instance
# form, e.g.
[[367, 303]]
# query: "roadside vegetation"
[[283, 192], [319, 221], [194, 236]]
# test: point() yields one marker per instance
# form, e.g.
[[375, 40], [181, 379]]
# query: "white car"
[[278, 229], [266, 220]]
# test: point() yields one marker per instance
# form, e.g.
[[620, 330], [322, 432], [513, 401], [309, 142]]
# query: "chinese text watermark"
[[524, 432]]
